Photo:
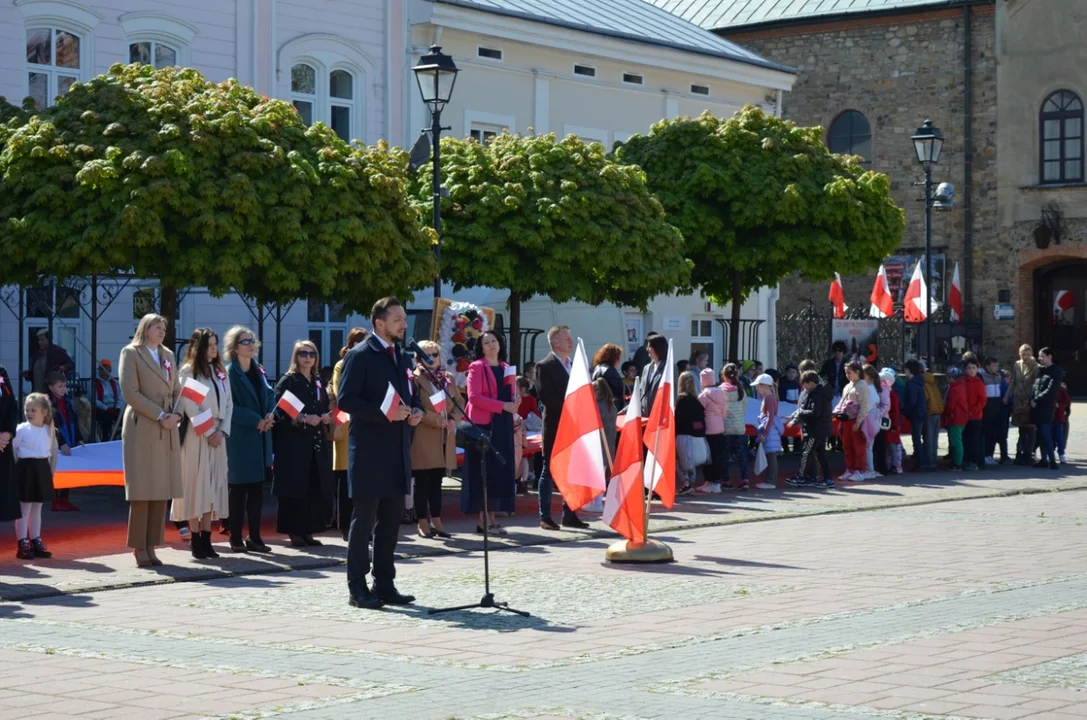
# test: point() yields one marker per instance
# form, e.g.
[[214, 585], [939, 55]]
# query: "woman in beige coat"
[[344, 507], [433, 445], [203, 456], [152, 451], [1024, 374]]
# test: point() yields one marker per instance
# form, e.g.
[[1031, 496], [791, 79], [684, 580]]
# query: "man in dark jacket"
[[1043, 405], [379, 451], [552, 377], [833, 370], [915, 409], [814, 415]]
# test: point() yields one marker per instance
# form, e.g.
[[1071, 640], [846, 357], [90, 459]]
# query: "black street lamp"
[[436, 74], [928, 142]]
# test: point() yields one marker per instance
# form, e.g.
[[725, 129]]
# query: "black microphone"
[[420, 354]]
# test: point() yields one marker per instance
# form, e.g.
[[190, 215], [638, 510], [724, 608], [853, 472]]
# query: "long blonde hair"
[[43, 404], [230, 341], [139, 338], [294, 358], [686, 384]]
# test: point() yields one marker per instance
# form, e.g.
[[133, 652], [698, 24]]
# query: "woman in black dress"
[[303, 480], [492, 401], [9, 420]]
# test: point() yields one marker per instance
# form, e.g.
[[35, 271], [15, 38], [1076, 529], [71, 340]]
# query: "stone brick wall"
[[899, 72]]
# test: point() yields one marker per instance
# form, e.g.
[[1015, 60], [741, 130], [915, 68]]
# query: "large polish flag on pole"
[[624, 505], [883, 304], [660, 438], [916, 309], [837, 297], [577, 460], [954, 299]]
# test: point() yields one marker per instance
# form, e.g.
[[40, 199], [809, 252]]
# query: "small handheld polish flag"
[[194, 390], [438, 401], [290, 404], [510, 374], [391, 402], [203, 423], [342, 418]]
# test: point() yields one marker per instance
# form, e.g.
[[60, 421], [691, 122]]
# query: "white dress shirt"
[[33, 442]]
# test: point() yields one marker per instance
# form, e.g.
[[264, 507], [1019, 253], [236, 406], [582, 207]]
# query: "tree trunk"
[[514, 350], [734, 326], [168, 309]]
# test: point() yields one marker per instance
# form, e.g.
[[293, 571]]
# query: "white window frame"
[[326, 327], [708, 93], [312, 99], [159, 28], [65, 16], [326, 53], [639, 83], [475, 119], [575, 73], [483, 130], [588, 134]]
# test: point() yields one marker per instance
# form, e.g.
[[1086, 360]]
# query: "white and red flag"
[[1063, 300], [577, 459], [510, 374], [954, 298], [438, 400], [390, 403], [883, 304], [194, 390], [624, 505], [837, 297], [916, 309], [290, 404], [341, 417], [203, 423], [660, 437]]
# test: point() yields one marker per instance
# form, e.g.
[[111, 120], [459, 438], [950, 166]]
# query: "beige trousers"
[[146, 523]]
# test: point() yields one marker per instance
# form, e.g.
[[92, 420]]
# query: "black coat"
[[379, 451], [615, 383], [836, 380], [815, 411], [551, 380], [9, 420], [1044, 395], [652, 375], [298, 447]]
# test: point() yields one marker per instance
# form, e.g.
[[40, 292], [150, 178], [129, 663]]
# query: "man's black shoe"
[[365, 600], [571, 520], [548, 524], [391, 596]]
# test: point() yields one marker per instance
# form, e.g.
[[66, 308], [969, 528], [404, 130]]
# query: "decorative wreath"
[[462, 324]]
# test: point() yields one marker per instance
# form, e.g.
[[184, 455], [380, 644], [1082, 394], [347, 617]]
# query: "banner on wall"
[[861, 337]]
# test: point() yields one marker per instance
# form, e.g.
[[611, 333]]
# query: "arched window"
[[152, 52], [850, 134], [1061, 123], [53, 63], [304, 91], [341, 92]]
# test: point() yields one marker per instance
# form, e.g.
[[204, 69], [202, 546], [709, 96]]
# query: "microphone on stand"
[[420, 354], [437, 378]]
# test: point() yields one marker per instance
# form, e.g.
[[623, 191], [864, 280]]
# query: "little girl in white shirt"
[[34, 444]]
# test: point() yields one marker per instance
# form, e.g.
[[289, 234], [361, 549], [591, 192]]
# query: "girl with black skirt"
[[34, 442]]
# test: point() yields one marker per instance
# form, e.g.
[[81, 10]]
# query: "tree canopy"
[[536, 215], [166, 175], [758, 198]]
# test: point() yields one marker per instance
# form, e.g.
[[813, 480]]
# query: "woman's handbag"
[[700, 451]]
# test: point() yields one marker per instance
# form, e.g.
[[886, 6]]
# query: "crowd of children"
[[874, 409]]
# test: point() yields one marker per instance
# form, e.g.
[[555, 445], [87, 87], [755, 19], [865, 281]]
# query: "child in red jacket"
[[973, 437], [956, 415]]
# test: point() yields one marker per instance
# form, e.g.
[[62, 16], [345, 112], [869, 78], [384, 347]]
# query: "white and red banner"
[[883, 303], [290, 404], [660, 437], [194, 390], [916, 300], [954, 298], [390, 403], [510, 374], [577, 459], [203, 423], [624, 505], [837, 297], [438, 400]]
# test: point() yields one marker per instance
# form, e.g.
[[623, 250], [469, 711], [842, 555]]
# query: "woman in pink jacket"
[[715, 403], [492, 402]]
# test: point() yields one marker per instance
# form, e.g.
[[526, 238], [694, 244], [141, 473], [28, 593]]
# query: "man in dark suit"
[[833, 370], [379, 452], [552, 377]]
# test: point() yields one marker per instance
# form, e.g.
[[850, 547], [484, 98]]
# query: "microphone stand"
[[482, 443]]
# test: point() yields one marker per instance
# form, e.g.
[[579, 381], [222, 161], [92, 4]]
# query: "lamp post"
[[928, 142], [436, 75]]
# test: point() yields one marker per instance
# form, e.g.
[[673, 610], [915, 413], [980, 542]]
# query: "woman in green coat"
[[249, 446]]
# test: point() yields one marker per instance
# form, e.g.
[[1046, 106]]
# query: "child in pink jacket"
[[715, 403]]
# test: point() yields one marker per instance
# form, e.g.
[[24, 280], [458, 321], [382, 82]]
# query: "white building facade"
[[348, 63]]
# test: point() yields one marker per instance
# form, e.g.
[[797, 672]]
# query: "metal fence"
[[808, 334]]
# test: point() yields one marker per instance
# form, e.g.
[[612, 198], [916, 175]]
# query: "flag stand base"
[[651, 551]]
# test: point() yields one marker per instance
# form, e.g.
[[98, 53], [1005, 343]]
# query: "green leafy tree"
[[536, 215], [758, 198], [166, 175]]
